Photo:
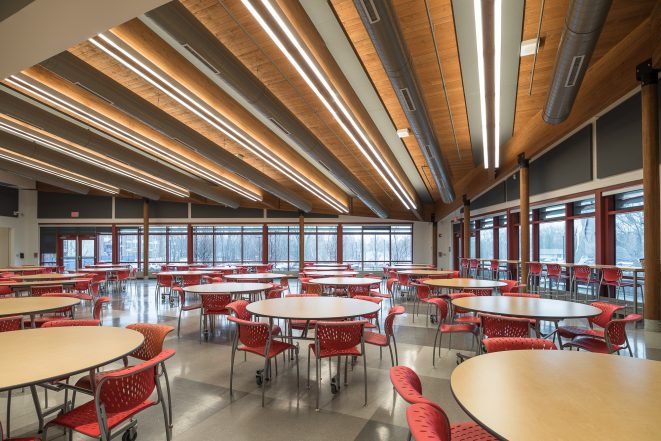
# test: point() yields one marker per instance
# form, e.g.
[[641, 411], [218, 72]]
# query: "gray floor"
[[204, 409]]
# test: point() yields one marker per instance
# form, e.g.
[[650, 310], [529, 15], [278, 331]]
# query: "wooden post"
[[115, 245], [340, 246], [650, 127], [524, 220], [145, 238], [434, 241], [301, 240], [265, 243], [467, 228]]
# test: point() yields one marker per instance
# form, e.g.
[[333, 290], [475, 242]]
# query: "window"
[[283, 247], [177, 244], [321, 243], [584, 240], [552, 241], [130, 245], [203, 244], [227, 244], [473, 251], [502, 243], [370, 247], [486, 244], [629, 238], [104, 247], [629, 199]]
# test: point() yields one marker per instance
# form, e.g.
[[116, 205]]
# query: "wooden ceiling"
[[439, 77]]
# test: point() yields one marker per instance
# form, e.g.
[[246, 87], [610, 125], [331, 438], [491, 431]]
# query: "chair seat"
[[468, 319], [39, 321], [381, 295], [351, 352], [223, 311], [83, 418], [469, 432], [591, 344], [191, 307], [577, 331], [370, 325], [459, 327], [374, 338], [22, 439], [302, 324], [276, 348]]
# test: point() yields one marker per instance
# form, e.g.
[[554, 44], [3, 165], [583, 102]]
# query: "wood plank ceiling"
[[440, 80]]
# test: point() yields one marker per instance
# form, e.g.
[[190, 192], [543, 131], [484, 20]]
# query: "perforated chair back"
[[390, 319], [63, 323], [607, 312], [252, 334], [616, 331], [334, 337], [240, 309], [98, 307], [154, 335], [428, 423], [479, 291], [534, 269], [12, 323], [500, 326], [500, 344], [215, 303], [37, 291], [359, 290]]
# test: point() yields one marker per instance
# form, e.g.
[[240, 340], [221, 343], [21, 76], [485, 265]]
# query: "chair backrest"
[[509, 284], [428, 423], [312, 288], [154, 337], [301, 295], [474, 263], [239, 309], [521, 294], [63, 323], [611, 274], [479, 291], [215, 302], [390, 319], [607, 311], [464, 262], [582, 272], [499, 344], [243, 270], [191, 279], [535, 268], [455, 275], [359, 290], [124, 389], [553, 269], [338, 335], [98, 307], [12, 323], [274, 293], [422, 292], [389, 285], [83, 284], [36, 291], [284, 282], [616, 330], [500, 326], [494, 265], [407, 384], [5, 290], [252, 334]]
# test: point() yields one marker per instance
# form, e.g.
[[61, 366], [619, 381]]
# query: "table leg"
[[37, 407], [635, 292]]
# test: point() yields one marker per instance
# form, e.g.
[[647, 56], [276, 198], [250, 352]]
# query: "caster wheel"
[[259, 377], [130, 435], [335, 388], [432, 319]]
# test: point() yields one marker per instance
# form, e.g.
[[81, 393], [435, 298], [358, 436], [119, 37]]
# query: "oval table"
[[34, 305], [561, 395], [53, 353], [330, 273], [343, 282], [52, 276], [23, 286], [464, 283], [541, 309], [312, 308], [255, 276], [233, 288], [325, 268], [425, 272]]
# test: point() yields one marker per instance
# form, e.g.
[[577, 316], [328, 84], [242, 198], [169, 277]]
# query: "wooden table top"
[[406, 267], [183, 273], [252, 265], [106, 269], [227, 288], [24, 268], [527, 307], [34, 305], [464, 283], [51, 353], [255, 276], [53, 276], [325, 268], [344, 281], [42, 283], [107, 265], [313, 308], [333, 264], [222, 268], [561, 395], [425, 272], [330, 273]]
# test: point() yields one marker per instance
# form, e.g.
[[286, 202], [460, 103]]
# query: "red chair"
[[59, 314], [118, 396], [183, 307], [494, 326], [602, 320], [63, 323], [499, 344], [430, 423], [383, 340], [450, 328], [615, 338], [274, 293], [83, 289], [312, 288], [33, 438], [614, 277], [12, 323], [213, 305], [423, 295], [6, 290], [372, 319], [284, 284], [257, 338], [534, 275], [164, 285], [36, 291], [463, 263], [509, 286], [469, 317], [474, 268], [407, 384], [98, 307], [583, 274], [337, 339], [358, 290], [239, 309], [554, 274], [521, 294]]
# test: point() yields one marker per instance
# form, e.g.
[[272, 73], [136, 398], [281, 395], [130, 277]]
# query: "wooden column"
[[301, 240], [524, 219], [650, 127], [340, 243], [265, 243], [115, 245], [434, 241], [467, 228], [145, 237]]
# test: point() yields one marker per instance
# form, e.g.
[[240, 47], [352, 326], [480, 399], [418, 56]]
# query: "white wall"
[[422, 242], [445, 244], [24, 230]]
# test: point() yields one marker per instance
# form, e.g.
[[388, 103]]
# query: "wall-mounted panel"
[[492, 197], [569, 163], [8, 201], [61, 205], [512, 187], [128, 208], [166, 209], [218, 211]]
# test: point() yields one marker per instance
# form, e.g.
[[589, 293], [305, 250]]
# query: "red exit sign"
[[75, 214]]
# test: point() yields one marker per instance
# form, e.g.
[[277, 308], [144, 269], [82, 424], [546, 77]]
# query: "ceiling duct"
[[25, 109], [44, 177], [175, 20], [381, 24], [71, 68], [584, 21]]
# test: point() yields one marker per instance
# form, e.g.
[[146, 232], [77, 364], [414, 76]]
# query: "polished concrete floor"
[[204, 409]]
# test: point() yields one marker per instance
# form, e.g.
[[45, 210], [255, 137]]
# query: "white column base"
[[652, 325]]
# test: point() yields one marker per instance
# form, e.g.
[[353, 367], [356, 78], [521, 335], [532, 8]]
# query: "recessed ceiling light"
[[529, 47], [403, 133]]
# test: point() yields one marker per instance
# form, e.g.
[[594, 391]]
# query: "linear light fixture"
[[127, 56], [96, 160], [56, 171], [97, 120], [481, 41], [339, 110]]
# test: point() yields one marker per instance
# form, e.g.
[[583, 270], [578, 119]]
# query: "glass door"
[[69, 250], [76, 252], [87, 252]]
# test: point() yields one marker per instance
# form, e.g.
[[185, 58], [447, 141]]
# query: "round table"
[[425, 272], [325, 268], [108, 265], [464, 283], [541, 309], [52, 276], [255, 276], [18, 286], [313, 308], [105, 269], [182, 273], [34, 305], [21, 269], [405, 267], [332, 273], [229, 288], [344, 281], [222, 268], [561, 395]]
